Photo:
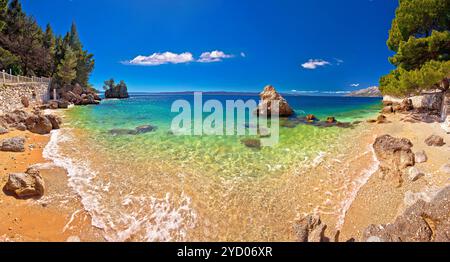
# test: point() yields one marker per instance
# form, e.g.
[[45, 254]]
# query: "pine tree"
[[420, 36], [66, 71], [49, 42]]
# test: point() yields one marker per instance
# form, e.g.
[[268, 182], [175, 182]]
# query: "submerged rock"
[[137, 131], [15, 144], [422, 222], [26, 185], [251, 143], [122, 132], [145, 129], [310, 229], [267, 96], [331, 120], [435, 141], [311, 118], [395, 155]]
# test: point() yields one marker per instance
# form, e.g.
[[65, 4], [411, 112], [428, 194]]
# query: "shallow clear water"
[[161, 187]]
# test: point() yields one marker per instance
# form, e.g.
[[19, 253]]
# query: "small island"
[[113, 90]]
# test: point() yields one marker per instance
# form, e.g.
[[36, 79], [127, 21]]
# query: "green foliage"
[[421, 39], [403, 82], [418, 18], [3, 6], [120, 88], [415, 52], [35, 52], [66, 71]]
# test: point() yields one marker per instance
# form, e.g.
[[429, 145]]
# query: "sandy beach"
[[59, 215], [381, 201], [49, 218]]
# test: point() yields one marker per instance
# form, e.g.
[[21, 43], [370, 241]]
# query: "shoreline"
[[61, 216]]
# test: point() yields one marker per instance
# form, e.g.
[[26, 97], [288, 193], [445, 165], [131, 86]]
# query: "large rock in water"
[[395, 155], [267, 96], [422, 222], [15, 144], [26, 185]]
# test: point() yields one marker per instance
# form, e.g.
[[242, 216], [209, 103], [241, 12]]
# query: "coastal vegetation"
[[27, 49], [420, 37]]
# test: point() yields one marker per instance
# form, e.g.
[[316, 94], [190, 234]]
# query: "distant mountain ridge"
[[372, 91]]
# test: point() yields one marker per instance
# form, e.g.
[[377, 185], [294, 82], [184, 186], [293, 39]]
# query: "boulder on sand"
[[15, 144], [26, 185], [435, 141], [421, 157], [395, 155], [265, 107], [39, 124], [55, 120]]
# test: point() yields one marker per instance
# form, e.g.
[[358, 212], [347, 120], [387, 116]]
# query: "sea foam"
[[164, 222]]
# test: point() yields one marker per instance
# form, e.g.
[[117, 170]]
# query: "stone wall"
[[11, 95]]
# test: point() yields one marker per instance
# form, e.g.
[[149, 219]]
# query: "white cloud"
[[314, 63], [339, 61], [243, 54], [214, 56], [355, 85], [161, 58]]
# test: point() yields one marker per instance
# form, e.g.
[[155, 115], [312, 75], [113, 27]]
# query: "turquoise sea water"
[[160, 187], [212, 152]]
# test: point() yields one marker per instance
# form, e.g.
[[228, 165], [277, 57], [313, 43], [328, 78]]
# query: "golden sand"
[[39, 220]]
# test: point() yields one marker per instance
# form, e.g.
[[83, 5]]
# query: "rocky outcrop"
[[118, 91], [267, 97], [15, 144], [56, 121], [373, 91], [26, 185], [435, 141], [34, 122], [422, 222], [310, 229], [76, 95], [395, 155]]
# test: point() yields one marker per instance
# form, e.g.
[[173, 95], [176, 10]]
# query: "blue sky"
[[229, 45]]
